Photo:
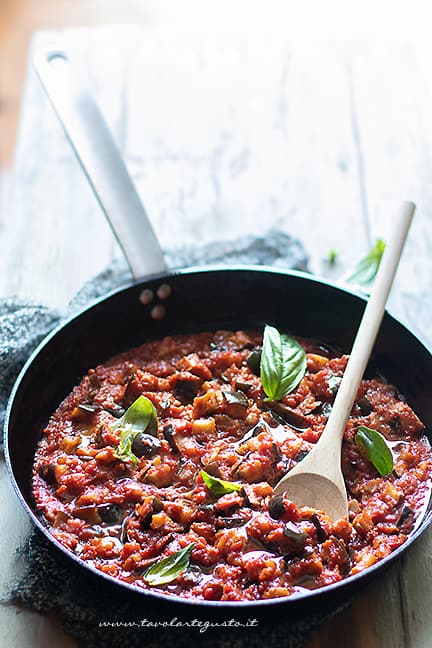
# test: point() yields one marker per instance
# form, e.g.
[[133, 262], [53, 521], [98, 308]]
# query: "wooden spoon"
[[317, 481]]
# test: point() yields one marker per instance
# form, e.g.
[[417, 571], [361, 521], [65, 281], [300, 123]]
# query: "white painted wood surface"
[[227, 134]]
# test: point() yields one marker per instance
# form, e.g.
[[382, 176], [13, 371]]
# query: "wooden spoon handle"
[[368, 329]]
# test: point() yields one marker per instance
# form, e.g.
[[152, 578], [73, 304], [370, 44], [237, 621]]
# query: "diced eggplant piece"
[[99, 514], [242, 386], [230, 522], [193, 575], [169, 434], [83, 412], [89, 514], [241, 340], [287, 464], [186, 387], [236, 398], [88, 409], [276, 507], [144, 522], [60, 518], [277, 456], [212, 469], [225, 423], [253, 544], [236, 404], [326, 350], [405, 515], [157, 504], [364, 405], [99, 440], [345, 565], [253, 432], [145, 445], [249, 492], [254, 361], [246, 346], [288, 415], [115, 410], [130, 394], [47, 472], [320, 531], [124, 527], [93, 380], [208, 403], [110, 513], [294, 533], [301, 455]]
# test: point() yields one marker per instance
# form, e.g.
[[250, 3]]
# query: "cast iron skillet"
[[201, 299]]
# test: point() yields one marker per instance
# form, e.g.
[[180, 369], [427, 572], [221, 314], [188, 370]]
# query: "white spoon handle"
[[368, 329]]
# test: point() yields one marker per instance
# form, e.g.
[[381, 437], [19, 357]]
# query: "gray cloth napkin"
[[49, 584]]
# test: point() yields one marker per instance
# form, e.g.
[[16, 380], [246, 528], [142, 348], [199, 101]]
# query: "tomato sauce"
[[121, 516]]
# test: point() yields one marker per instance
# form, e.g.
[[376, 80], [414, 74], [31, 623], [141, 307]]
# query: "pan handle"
[[101, 161]]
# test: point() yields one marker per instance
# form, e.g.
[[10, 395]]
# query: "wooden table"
[[226, 135]]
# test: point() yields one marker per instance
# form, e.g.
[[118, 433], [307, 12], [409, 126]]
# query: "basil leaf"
[[332, 256], [283, 364], [219, 486], [141, 416], [166, 570], [376, 449], [124, 448], [366, 269]]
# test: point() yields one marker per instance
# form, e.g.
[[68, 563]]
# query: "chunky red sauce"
[[122, 517]]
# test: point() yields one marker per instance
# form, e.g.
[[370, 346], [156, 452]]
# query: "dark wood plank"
[[352, 626]]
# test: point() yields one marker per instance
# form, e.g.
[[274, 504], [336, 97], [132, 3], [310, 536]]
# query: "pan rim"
[[295, 599]]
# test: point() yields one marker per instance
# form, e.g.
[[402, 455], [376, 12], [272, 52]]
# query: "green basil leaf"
[[283, 363], [219, 486], [376, 449], [332, 256], [366, 269], [166, 570], [124, 448], [141, 416]]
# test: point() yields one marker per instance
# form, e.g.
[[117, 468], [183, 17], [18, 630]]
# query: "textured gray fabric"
[[22, 326], [49, 583]]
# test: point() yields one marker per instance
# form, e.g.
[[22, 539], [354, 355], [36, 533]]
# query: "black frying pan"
[[201, 299]]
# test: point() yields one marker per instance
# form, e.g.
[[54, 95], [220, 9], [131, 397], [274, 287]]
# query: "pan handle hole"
[[56, 58]]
